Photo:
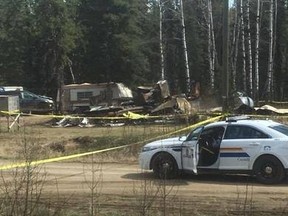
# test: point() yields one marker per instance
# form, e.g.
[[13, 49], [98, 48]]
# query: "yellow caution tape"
[[33, 163], [14, 112], [198, 124], [132, 115], [128, 115]]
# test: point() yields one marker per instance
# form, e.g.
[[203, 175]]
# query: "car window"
[[244, 132], [281, 128], [214, 132], [29, 95], [194, 134]]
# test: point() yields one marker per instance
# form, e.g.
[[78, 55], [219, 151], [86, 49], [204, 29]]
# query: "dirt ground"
[[115, 182], [123, 186]]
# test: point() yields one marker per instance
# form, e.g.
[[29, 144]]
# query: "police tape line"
[[196, 125], [50, 160], [15, 112], [128, 115]]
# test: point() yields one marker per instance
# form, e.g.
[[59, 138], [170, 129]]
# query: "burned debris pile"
[[114, 100], [114, 104]]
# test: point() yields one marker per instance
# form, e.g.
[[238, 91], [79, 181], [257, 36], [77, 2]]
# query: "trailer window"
[[84, 95]]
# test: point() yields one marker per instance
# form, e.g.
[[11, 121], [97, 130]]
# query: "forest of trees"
[[48, 43]]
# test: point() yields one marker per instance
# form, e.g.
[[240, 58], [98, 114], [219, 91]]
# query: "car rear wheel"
[[164, 166], [269, 170]]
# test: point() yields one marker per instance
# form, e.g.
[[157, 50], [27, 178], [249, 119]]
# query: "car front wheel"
[[269, 170], [164, 166]]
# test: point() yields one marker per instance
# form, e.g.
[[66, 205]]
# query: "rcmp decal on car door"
[[190, 156], [233, 158]]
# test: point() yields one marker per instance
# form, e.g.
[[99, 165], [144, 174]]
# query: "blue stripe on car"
[[234, 154]]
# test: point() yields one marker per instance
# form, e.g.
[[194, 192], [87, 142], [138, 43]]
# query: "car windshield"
[[194, 134], [29, 95], [281, 128]]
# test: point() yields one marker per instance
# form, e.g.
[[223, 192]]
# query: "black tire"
[[164, 166], [269, 170]]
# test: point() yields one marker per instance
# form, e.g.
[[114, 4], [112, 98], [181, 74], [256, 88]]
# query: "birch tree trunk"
[[214, 52], [225, 48], [69, 62], [269, 92], [161, 40], [185, 48], [209, 47], [250, 74], [243, 47], [275, 9], [211, 44], [256, 89], [235, 43]]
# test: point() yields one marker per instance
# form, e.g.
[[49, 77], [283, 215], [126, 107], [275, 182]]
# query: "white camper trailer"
[[82, 96]]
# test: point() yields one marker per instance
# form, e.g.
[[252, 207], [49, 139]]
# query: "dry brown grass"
[[212, 197], [58, 140]]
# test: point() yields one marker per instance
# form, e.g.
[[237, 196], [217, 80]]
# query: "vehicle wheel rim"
[[268, 171], [165, 168]]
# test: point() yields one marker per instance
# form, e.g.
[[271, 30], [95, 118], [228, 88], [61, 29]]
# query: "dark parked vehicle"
[[29, 102]]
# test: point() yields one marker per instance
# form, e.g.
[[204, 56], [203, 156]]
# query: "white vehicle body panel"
[[170, 145], [237, 154], [234, 154], [190, 156]]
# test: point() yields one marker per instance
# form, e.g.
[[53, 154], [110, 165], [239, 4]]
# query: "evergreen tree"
[[114, 49], [15, 33], [281, 64], [47, 43], [54, 40]]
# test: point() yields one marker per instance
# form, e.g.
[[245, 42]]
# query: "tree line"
[[48, 43]]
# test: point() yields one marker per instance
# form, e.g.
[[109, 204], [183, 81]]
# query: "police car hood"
[[173, 141]]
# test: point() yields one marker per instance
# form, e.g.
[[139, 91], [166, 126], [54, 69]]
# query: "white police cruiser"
[[240, 146]]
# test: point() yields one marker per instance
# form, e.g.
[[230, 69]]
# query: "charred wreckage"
[[116, 100]]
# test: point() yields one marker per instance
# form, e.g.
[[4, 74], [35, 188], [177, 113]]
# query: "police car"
[[236, 145]]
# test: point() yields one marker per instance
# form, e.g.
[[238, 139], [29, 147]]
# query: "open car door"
[[190, 149]]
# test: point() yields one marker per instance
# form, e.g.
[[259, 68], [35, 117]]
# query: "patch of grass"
[[87, 143], [103, 138]]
